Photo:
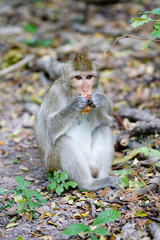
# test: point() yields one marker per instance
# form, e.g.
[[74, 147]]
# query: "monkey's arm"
[[104, 107], [60, 122]]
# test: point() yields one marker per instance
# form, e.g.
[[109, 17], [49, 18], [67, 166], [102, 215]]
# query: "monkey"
[[70, 140]]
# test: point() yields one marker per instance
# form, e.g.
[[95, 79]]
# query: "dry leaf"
[[103, 192], [24, 168]]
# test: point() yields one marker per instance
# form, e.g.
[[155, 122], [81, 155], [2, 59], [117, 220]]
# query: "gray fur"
[[71, 141]]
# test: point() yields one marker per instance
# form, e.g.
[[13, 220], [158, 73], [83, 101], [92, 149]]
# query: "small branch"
[[153, 218], [117, 202], [15, 66], [128, 36]]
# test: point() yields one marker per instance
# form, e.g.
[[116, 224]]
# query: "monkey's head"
[[80, 75]]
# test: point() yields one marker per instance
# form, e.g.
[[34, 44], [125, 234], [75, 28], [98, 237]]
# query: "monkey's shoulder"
[[55, 94]]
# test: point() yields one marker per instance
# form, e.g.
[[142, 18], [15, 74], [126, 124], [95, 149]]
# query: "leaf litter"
[[130, 77]]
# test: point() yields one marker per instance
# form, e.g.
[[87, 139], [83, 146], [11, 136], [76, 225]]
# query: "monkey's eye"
[[88, 76], [78, 77]]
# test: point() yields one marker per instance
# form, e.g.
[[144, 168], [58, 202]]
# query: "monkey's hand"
[[96, 101], [79, 103]]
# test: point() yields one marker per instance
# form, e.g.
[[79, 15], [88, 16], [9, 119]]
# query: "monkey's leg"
[[102, 156], [102, 150], [71, 159], [67, 155]]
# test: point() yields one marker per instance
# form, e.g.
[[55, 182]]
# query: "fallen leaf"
[[103, 192], [46, 237], [89, 194], [140, 213], [1, 143], [131, 155], [24, 168], [10, 225], [53, 205], [77, 215], [52, 223]]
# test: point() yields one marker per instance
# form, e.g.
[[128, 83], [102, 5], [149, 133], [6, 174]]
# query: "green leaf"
[[125, 181], [157, 27], [19, 238], [35, 215], [21, 182], [154, 11], [59, 190], [70, 184], [52, 186], [13, 219], [21, 205], [136, 19], [9, 225], [36, 194], [140, 214], [45, 43], [15, 160], [157, 164], [100, 231], [122, 172], [109, 215], [93, 237], [63, 175], [32, 204], [49, 176], [27, 193], [31, 42], [1, 191], [29, 27], [76, 228], [30, 216], [155, 34], [140, 21], [149, 152], [131, 155], [139, 185], [43, 200], [56, 176], [146, 45]]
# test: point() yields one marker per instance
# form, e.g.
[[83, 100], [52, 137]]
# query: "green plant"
[[129, 179], [26, 200], [107, 216], [30, 27], [145, 18], [7, 203], [19, 238], [58, 183], [35, 42]]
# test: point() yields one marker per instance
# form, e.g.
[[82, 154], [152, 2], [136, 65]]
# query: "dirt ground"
[[130, 76]]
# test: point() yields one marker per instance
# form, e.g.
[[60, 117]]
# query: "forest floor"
[[130, 76]]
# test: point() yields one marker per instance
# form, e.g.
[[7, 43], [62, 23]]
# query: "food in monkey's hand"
[[87, 108]]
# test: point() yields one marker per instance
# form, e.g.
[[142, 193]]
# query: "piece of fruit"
[[87, 108]]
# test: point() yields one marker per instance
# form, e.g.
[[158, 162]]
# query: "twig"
[[117, 202], [128, 36], [153, 218], [146, 188], [13, 67]]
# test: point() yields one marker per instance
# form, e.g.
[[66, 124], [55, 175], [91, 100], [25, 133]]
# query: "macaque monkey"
[[73, 127]]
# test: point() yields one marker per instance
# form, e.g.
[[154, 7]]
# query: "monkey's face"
[[83, 83]]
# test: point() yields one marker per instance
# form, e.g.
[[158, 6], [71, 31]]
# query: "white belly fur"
[[80, 132]]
